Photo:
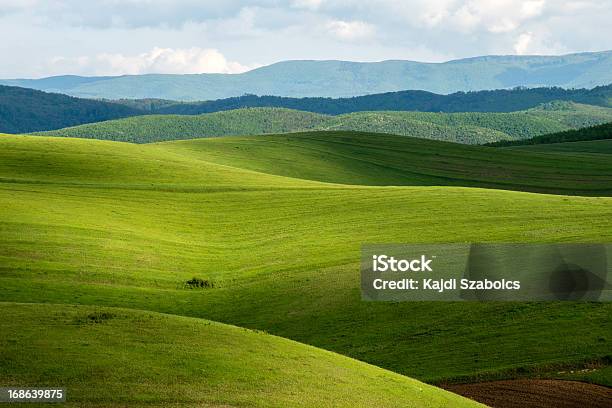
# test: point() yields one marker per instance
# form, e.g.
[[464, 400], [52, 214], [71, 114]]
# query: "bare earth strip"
[[536, 394]]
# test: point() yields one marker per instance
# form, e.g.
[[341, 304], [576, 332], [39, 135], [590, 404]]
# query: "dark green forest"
[[25, 110], [599, 132], [504, 100]]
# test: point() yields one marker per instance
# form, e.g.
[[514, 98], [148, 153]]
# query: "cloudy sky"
[[112, 37]]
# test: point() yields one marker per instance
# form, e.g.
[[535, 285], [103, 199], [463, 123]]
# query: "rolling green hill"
[[218, 365], [346, 78], [113, 224], [471, 128], [379, 159], [26, 110]]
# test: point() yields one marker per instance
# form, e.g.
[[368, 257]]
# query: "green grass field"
[[109, 224], [468, 127], [379, 159], [114, 357]]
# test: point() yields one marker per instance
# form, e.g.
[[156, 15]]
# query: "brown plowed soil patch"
[[536, 394]]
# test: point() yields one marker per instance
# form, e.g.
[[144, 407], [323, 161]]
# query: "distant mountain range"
[[345, 79]]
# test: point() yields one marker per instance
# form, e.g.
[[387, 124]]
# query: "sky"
[[111, 37]]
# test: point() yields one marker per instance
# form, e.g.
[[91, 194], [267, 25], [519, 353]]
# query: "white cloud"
[[521, 46], [422, 12], [307, 4], [350, 30], [11, 6], [466, 18], [498, 16], [532, 8], [538, 42], [503, 26], [158, 60]]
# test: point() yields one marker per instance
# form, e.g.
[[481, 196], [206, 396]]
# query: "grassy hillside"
[[73, 161], [26, 110], [379, 159], [346, 78], [119, 357], [471, 128], [112, 224]]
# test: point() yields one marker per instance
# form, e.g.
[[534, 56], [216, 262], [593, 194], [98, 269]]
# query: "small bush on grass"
[[197, 283]]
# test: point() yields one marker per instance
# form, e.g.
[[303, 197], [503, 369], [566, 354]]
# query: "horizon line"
[[321, 60]]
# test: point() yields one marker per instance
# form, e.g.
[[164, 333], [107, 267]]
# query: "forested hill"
[[599, 132], [509, 100], [467, 127], [27, 110]]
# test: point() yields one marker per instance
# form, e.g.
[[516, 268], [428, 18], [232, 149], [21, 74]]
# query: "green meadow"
[[388, 160], [114, 357], [275, 225]]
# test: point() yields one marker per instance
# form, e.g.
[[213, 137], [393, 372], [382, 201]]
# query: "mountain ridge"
[[334, 78]]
